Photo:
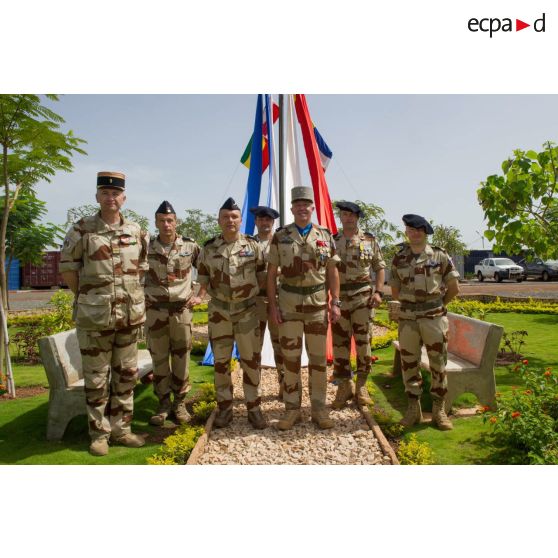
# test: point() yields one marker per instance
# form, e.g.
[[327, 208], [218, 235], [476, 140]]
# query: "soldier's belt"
[[354, 286], [237, 306], [303, 290], [168, 305], [421, 306]]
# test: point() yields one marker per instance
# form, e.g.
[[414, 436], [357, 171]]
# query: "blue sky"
[[422, 154]]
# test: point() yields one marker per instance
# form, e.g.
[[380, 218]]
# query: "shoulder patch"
[[438, 248], [337, 236], [188, 239], [279, 229], [251, 237], [210, 241], [369, 234]]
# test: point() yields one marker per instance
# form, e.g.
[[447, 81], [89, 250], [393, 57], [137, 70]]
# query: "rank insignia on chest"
[[246, 253]]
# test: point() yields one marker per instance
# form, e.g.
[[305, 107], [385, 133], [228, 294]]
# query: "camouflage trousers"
[[109, 364], [433, 334], [261, 310], [224, 329], [314, 327], [355, 321], [169, 334]]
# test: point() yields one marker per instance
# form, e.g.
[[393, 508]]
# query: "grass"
[[470, 442], [23, 426]]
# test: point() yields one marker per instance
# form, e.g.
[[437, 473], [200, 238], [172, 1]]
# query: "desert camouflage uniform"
[[262, 305], [360, 256], [422, 316], [168, 287], [109, 309], [231, 272], [303, 304]]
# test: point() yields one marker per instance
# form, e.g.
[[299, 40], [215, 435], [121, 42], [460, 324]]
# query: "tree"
[[198, 225], [449, 238], [521, 205], [33, 149], [26, 237], [76, 213]]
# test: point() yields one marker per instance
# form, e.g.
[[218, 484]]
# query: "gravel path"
[[350, 442]]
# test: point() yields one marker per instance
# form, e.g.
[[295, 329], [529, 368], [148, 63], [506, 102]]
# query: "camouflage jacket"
[[109, 259], [303, 261], [360, 256], [231, 271], [169, 278], [264, 245], [421, 280]]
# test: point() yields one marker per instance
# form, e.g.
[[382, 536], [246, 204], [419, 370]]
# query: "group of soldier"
[[292, 281]]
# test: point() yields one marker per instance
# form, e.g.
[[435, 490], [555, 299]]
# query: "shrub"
[[383, 340], [177, 448], [200, 308], [202, 409], [526, 421], [511, 344], [474, 308], [413, 452], [387, 422], [33, 327], [3, 384], [207, 392], [198, 347]]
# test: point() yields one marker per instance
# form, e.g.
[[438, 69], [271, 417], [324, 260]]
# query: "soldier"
[[265, 216], [169, 300], [424, 280], [103, 261], [360, 256], [231, 267], [306, 255]]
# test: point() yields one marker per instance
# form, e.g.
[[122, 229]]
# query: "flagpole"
[[281, 161]]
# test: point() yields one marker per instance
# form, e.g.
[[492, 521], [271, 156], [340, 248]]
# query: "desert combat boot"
[[256, 419], [413, 414], [289, 419], [363, 397], [181, 415], [439, 417], [130, 440], [99, 447], [223, 418], [345, 392], [158, 419], [321, 418]]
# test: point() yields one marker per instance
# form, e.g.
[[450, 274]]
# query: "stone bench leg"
[[63, 406], [481, 383], [396, 362]]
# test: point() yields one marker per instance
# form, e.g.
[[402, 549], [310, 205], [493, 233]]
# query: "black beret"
[[230, 204], [264, 211], [165, 207], [350, 206], [417, 222]]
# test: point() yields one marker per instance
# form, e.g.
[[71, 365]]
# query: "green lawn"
[[23, 426], [470, 442]]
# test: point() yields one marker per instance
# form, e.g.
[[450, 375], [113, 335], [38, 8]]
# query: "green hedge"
[[530, 306]]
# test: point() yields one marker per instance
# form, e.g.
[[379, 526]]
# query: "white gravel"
[[350, 442]]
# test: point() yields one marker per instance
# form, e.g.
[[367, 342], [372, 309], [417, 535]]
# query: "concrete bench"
[[62, 361], [472, 349]]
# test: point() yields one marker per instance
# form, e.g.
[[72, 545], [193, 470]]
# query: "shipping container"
[[43, 276], [14, 276]]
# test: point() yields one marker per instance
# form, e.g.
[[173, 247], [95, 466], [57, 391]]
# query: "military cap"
[[230, 204], [109, 179], [417, 222], [350, 206], [264, 211], [302, 193], [165, 207]]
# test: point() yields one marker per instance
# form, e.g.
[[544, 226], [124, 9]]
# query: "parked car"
[[545, 270], [499, 269]]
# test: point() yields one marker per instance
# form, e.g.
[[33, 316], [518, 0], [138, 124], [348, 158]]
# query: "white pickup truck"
[[499, 269]]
